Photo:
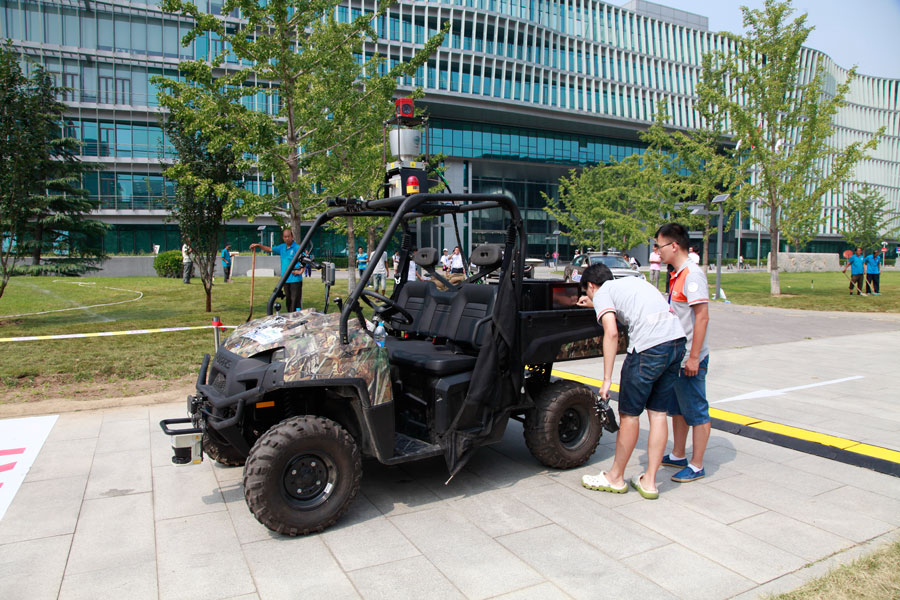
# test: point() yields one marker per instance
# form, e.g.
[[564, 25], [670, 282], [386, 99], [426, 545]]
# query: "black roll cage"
[[403, 208]]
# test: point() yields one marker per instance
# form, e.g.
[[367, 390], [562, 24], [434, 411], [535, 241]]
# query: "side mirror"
[[277, 307], [328, 273]]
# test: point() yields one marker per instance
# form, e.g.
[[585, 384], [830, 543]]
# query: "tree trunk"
[[38, 244], [775, 285], [351, 256], [370, 240]]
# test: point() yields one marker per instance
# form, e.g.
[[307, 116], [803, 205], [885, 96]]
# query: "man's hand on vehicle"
[[585, 301]]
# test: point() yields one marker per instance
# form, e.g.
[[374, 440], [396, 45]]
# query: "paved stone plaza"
[[104, 514]]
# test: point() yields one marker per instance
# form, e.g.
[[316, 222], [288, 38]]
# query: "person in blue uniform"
[[293, 286]]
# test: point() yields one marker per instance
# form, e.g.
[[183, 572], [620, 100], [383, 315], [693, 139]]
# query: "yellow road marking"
[[785, 430]]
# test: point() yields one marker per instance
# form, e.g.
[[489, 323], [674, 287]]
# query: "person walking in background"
[[381, 273], [655, 261], [187, 260], [457, 268], [872, 262], [655, 347], [857, 271], [362, 261], [227, 261], [293, 286], [689, 299], [307, 267]]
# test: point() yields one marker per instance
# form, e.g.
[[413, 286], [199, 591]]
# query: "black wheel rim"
[[571, 427], [309, 480]]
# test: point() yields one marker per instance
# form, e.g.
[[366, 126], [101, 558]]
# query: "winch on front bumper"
[[217, 408]]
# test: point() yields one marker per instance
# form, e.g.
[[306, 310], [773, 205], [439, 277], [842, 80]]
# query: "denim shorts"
[[690, 396], [648, 378]]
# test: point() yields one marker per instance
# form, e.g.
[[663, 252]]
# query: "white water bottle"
[[380, 334]]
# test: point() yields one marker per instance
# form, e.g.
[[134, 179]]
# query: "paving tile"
[[76, 426], [300, 567], [393, 491], [411, 578], [502, 472], [790, 478], [878, 483], [169, 410], [498, 513], [33, 565], [119, 473], [370, 542], [247, 528], [132, 581], [792, 535], [543, 591], [875, 505], [731, 548], [713, 503], [596, 524], [854, 525], [125, 413], [200, 559], [42, 509], [459, 549], [578, 568], [225, 474], [161, 449], [187, 490], [432, 474], [782, 585], [116, 436], [113, 531], [687, 574], [65, 458]]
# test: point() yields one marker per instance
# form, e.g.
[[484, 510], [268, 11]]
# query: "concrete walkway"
[[104, 514]]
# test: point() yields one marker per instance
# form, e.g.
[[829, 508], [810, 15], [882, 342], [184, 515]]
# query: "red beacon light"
[[412, 185], [403, 107]]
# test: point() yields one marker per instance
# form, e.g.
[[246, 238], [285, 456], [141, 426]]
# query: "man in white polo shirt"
[[689, 298], [655, 348]]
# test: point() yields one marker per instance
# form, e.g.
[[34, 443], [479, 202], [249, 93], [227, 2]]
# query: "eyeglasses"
[[664, 245]]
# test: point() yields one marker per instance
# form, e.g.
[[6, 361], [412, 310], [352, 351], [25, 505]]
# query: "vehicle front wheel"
[[302, 475], [562, 430]]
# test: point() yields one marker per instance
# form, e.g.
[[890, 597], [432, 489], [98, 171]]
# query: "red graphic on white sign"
[[20, 442]]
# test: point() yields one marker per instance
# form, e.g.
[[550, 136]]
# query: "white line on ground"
[[80, 284], [782, 391]]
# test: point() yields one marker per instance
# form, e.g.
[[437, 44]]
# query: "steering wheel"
[[384, 307]]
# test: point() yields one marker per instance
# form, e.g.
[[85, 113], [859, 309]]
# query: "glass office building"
[[520, 92]]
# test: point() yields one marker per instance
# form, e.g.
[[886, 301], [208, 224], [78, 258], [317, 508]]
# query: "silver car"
[[618, 265]]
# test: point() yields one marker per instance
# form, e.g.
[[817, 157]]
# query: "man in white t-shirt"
[[187, 261], [457, 267], [381, 273], [655, 348], [655, 261], [689, 298], [445, 261], [693, 255]]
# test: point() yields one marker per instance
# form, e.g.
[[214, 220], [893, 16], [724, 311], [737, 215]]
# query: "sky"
[[865, 33]]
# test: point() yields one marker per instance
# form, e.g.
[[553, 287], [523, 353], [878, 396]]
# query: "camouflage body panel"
[[313, 349], [589, 348]]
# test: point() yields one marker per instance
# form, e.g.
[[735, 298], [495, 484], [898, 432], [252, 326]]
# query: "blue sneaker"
[[668, 461], [687, 474]]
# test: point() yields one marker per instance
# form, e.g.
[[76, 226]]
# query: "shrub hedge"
[[168, 264]]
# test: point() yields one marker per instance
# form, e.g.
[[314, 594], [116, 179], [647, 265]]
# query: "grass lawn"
[[808, 291], [138, 364], [115, 365], [872, 577]]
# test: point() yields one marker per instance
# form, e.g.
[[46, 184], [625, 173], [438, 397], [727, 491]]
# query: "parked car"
[[616, 263]]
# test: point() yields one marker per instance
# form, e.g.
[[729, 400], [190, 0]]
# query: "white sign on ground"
[[20, 442]]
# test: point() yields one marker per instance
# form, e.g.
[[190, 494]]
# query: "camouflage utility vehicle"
[[301, 398]]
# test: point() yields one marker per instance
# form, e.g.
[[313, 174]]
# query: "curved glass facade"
[[520, 90]]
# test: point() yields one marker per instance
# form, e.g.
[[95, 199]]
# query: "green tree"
[[866, 221], [328, 95], [696, 170], [42, 207], [204, 187], [783, 125], [622, 202]]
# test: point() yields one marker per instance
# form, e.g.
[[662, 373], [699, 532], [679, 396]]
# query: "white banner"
[[20, 442]]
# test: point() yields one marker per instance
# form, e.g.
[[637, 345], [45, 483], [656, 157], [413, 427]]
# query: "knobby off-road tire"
[[222, 453], [302, 475], [562, 431]]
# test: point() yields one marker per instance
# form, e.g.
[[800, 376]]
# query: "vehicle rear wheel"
[[302, 475], [563, 430], [222, 453]]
